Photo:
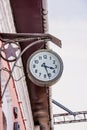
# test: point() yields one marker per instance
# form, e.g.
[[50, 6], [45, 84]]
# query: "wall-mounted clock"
[[44, 67]]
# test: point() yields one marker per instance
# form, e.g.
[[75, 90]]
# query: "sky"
[[68, 22]]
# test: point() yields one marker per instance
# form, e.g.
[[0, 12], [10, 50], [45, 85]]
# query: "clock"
[[44, 67]]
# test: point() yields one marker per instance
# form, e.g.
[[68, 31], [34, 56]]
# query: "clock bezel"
[[40, 82]]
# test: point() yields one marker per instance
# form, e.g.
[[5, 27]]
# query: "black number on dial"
[[36, 61], [45, 56]]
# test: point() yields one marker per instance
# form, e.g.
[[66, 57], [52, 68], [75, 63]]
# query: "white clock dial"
[[44, 67]]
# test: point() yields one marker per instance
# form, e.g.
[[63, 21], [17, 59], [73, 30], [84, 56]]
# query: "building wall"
[[31, 17], [16, 94]]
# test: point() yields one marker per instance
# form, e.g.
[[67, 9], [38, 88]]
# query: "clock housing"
[[44, 67]]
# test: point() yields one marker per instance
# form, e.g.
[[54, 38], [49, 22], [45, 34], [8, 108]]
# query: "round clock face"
[[44, 67]]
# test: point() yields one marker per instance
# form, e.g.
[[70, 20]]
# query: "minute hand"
[[46, 71], [45, 67]]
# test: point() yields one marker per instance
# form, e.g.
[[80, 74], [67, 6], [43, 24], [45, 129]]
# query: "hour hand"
[[43, 65], [49, 67]]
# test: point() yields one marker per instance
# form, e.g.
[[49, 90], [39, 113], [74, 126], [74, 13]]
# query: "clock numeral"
[[49, 74], [36, 61], [44, 75], [39, 74], [55, 66], [50, 58], [45, 56], [53, 61], [40, 57], [53, 71], [36, 71], [34, 65]]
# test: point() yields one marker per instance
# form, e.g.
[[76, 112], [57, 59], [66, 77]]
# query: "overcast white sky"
[[68, 22]]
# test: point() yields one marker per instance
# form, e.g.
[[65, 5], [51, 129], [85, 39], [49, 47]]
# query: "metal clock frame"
[[40, 82]]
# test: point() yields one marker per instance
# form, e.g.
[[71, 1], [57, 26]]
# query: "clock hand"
[[47, 71], [49, 67], [43, 65]]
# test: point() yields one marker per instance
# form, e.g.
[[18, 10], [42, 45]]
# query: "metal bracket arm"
[[22, 37]]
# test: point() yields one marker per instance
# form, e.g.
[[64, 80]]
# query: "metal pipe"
[[63, 107]]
